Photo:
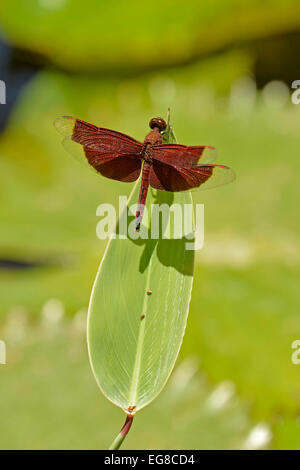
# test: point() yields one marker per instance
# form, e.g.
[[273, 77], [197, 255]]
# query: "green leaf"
[[169, 136], [95, 36], [134, 336]]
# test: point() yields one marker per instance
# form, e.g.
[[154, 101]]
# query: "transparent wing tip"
[[209, 155], [65, 125]]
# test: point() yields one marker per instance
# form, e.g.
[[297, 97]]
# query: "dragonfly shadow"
[[170, 252]]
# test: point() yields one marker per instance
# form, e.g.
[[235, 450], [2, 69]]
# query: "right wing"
[[183, 155], [177, 178]]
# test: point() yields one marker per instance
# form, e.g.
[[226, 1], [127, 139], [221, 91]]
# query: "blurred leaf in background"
[[105, 35]]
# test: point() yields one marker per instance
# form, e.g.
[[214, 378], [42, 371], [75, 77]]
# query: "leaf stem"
[[122, 434]]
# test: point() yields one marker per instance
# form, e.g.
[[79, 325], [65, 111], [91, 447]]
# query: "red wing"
[[113, 154], [174, 178], [96, 137], [121, 167], [183, 155]]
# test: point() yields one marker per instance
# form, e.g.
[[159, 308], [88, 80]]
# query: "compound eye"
[[158, 122]]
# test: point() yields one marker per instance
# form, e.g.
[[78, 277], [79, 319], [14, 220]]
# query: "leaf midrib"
[[132, 399]]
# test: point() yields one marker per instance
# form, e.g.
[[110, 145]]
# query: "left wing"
[[111, 153]]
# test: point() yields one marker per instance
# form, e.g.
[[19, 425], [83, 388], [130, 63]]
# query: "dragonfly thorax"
[[146, 153], [153, 137]]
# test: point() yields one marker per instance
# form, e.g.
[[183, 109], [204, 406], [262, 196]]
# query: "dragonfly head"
[[159, 123]]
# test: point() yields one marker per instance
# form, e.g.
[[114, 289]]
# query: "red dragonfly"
[[167, 167]]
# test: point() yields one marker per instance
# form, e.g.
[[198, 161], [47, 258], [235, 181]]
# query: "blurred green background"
[[225, 69]]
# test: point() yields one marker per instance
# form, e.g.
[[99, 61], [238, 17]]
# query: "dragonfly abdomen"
[[142, 195]]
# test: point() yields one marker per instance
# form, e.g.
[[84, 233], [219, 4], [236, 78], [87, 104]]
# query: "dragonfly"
[[163, 166]]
